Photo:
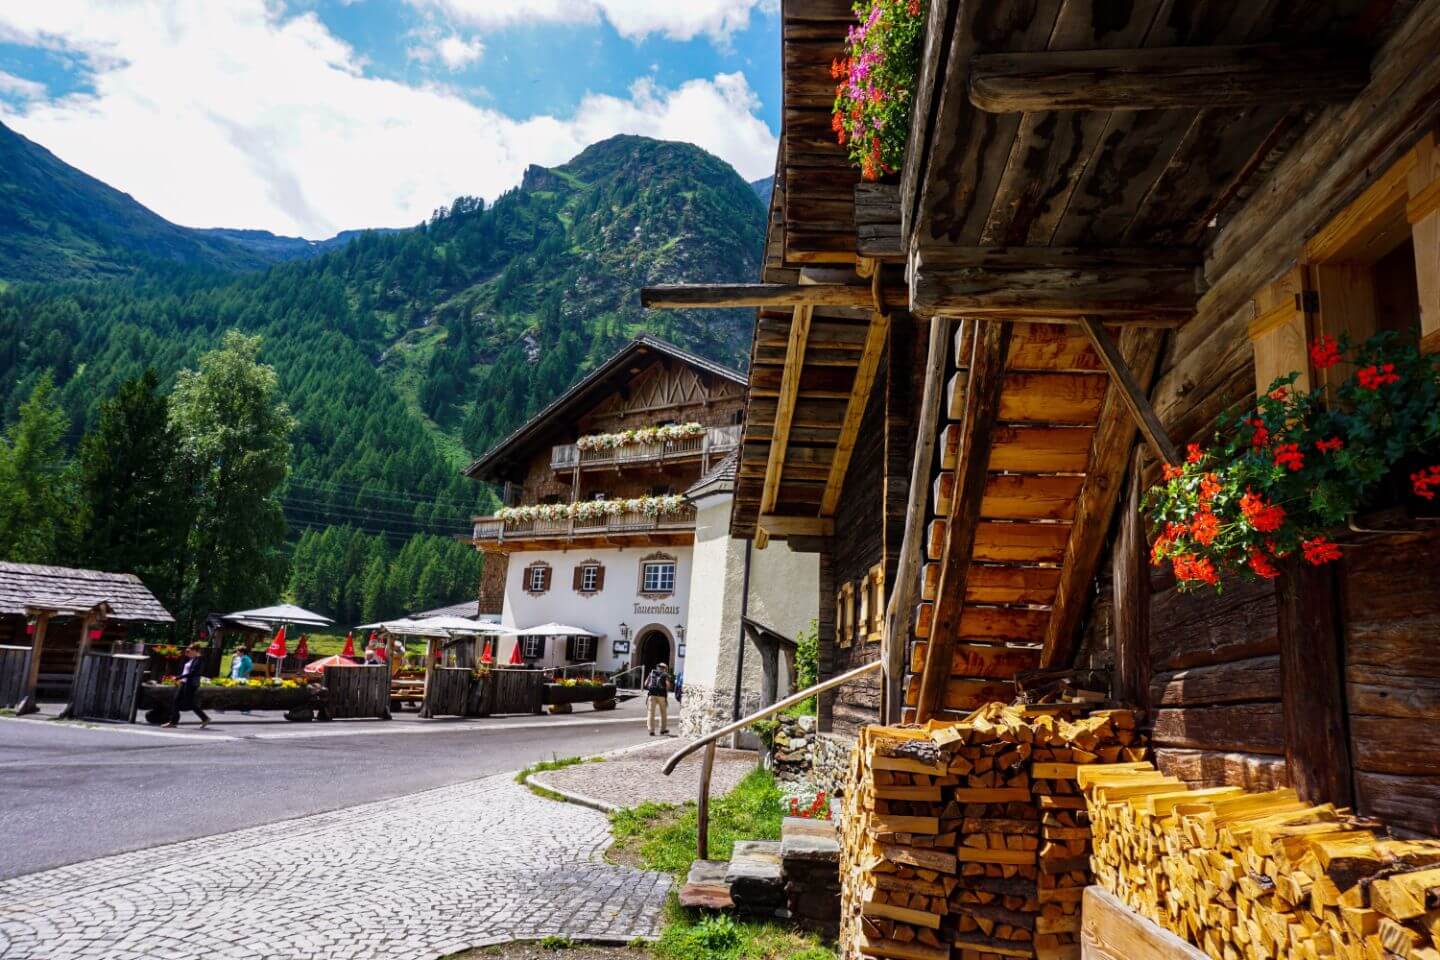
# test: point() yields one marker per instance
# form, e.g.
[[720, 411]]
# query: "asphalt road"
[[70, 793]]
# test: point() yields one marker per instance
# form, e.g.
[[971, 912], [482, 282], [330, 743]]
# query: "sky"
[[307, 117]]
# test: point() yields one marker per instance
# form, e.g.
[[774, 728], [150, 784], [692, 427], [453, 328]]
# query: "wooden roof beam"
[[784, 414], [1164, 78], [855, 410], [1140, 287], [780, 525], [982, 404], [682, 296]]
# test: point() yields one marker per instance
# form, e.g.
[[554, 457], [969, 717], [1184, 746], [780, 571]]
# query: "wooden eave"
[[1106, 209]]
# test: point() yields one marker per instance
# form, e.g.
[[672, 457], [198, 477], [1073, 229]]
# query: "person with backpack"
[[657, 699]]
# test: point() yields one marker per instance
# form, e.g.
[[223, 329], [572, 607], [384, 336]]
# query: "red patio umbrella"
[[318, 667], [302, 649], [515, 657], [349, 650], [277, 646], [489, 655]]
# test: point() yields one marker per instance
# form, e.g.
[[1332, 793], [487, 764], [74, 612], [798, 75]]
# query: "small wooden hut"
[[62, 612]]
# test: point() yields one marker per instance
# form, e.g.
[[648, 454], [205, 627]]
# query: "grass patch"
[[660, 837], [554, 763]]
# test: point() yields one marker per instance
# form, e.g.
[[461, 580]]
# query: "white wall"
[[601, 612]]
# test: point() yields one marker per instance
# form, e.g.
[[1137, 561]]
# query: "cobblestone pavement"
[[413, 878], [633, 777]]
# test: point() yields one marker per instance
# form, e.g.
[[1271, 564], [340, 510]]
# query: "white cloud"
[[225, 114], [457, 52], [20, 87], [632, 19]]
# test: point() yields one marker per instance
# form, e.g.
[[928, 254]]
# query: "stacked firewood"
[[971, 839], [1261, 875]]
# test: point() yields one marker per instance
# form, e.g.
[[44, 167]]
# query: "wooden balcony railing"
[[496, 530], [715, 441]]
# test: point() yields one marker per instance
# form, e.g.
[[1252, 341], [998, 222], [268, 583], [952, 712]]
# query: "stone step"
[[808, 839], [756, 876], [706, 887]]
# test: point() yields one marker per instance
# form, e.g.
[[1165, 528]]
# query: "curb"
[[580, 799]]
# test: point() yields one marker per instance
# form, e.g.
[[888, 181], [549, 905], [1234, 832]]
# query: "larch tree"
[[37, 482]]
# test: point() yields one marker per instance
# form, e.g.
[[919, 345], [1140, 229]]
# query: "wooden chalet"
[[1114, 222]]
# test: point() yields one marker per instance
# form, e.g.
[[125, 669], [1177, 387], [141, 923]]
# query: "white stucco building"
[[617, 520]]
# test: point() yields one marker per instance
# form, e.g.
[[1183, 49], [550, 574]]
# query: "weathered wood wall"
[[108, 687], [13, 661], [1391, 604], [357, 692]]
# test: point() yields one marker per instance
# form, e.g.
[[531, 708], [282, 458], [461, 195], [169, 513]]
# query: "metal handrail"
[[615, 678], [702, 808], [774, 708]]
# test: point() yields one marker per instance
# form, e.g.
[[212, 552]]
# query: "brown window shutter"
[[545, 579], [599, 579], [575, 580]]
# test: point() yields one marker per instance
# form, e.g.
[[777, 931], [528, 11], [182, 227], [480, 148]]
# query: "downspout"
[[744, 612]]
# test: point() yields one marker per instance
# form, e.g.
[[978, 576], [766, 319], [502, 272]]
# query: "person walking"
[[241, 664], [187, 697], [657, 699]]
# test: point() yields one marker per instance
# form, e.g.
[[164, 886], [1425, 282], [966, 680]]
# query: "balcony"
[[492, 530], [715, 442]]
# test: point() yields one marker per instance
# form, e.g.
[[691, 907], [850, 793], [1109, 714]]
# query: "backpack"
[[657, 684]]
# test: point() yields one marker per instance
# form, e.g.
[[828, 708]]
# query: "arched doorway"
[[654, 648]]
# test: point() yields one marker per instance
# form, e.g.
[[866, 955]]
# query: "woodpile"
[[1261, 875], [970, 839]]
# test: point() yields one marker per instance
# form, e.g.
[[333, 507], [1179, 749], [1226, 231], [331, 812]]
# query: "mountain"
[[58, 223], [763, 189], [273, 248], [402, 353]]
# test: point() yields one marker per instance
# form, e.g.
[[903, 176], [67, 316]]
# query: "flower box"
[[159, 698], [556, 693]]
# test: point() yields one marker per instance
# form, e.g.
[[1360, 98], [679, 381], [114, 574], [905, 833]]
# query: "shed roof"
[[721, 479], [68, 589]]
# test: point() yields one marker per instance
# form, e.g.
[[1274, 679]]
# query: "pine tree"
[[37, 482]]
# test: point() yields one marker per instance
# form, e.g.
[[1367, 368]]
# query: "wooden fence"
[[352, 692], [13, 661], [108, 687], [517, 690], [446, 692]]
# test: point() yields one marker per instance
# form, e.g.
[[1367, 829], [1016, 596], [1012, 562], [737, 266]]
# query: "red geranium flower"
[[1262, 566], [1320, 550], [1324, 352], [1193, 453], [1209, 487], [1264, 517], [1172, 473], [1424, 481], [1328, 446], [1279, 393], [1374, 377], [1204, 528], [1262, 435], [1288, 455], [1189, 568]]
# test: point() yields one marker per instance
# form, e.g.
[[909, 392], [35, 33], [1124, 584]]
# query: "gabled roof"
[[721, 479], [588, 390], [70, 590]]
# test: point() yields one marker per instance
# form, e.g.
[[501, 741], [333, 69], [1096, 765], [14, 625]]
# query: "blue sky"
[[312, 116]]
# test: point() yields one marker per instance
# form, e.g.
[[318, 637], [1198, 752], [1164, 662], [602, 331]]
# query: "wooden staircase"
[[1029, 465]]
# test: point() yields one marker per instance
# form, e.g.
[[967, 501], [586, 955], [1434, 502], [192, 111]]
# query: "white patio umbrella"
[[286, 613]]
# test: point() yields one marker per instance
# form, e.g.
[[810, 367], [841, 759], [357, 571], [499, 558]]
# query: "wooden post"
[[82, 647], [902, 601], [702, 808], [1317, 747], [32, 669], [429, 671], [1131, 578]]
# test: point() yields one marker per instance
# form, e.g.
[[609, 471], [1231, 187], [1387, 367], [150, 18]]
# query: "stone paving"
[[633, 777], [410, 879]]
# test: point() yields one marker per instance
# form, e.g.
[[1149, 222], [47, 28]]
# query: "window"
[[532, 647], [845, 615], [580, 649], [658, 577], [589, 577], [875, 583], [537, 578]]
